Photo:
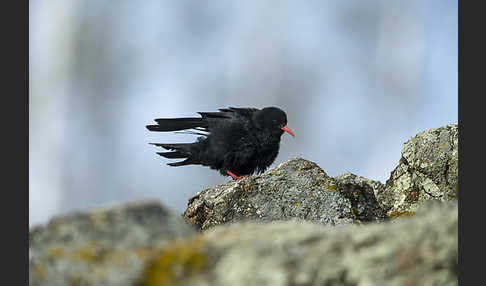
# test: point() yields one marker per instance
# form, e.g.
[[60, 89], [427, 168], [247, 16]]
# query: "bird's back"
[[230, 142]]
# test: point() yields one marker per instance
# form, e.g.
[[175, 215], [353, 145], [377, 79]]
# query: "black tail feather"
[[175, 124], [172, 155], [174, 146], [178, 151], [188, 161]]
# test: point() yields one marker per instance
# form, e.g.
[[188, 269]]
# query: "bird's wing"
[[205, 123], [243, 112], [175, 124], [227, 115], [230, 112]]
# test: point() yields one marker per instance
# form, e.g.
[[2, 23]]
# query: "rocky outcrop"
[[420, 250], [101, 247], [297, 189], [292, 225], [428, 170], [300, 190]]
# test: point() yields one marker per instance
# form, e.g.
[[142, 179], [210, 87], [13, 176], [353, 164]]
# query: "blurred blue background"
[[356, 78]]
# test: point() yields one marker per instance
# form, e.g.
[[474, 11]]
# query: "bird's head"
[[273, 120]]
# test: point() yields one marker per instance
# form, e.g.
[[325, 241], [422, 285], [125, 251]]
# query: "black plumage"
[[235, 141]]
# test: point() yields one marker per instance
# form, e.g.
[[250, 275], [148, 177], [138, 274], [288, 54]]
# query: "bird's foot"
[[235, 177]]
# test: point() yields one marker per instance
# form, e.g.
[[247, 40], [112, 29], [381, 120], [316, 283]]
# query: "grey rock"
[[418, 250], [106, 246], [294, 190], [361, 193], [292, 225], [428, 170]]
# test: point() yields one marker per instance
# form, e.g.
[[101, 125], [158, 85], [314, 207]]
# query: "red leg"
[[235, 177]]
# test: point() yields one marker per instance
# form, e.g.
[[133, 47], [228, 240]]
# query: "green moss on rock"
[[176, 262]]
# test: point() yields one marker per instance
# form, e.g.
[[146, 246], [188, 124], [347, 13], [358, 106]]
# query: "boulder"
[[297, 189], [417, 250], [427, 170], [106, 246]]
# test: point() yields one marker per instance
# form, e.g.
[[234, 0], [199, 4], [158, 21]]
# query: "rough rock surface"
[[417, 250], [297, 189], [101, 247], [427, 170], [292, 225]]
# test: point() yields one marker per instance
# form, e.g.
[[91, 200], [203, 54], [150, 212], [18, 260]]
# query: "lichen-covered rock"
[[106, 246], [361, 193], [280, 234], [419, 250], [297, 189], [428, 170]]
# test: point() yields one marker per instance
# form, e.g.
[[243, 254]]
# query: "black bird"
[[236, 141]]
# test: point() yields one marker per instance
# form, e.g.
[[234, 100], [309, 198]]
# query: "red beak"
[[287, 129]]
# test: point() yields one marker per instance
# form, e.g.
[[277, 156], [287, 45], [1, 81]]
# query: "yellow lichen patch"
[[295, 204], [177, 261], [327, 186], [86, 252], [40, 271], [54, 253], [396, 214], [274, 173], [331, 188], [353, 213]]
